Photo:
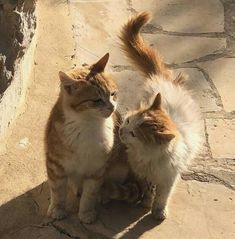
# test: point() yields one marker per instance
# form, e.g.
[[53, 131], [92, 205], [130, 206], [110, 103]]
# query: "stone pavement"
[[196, 37]]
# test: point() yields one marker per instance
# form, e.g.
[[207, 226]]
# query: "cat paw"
[[56, 212], [159, 214], [87, 217]]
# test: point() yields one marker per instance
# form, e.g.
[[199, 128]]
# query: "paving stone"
[[178, 49], [222, 73], [221, 136], [184, 15], [200, 88], [193, 205], [129, 83], [98, 18], [34, 232]]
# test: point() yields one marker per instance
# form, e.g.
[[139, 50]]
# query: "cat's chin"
[[106, 114]]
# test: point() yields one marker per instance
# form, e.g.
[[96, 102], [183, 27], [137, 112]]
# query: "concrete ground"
[[196, 37]]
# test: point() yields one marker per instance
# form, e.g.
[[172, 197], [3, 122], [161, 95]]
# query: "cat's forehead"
[[99, 81], [102, 83], [135, 118], [79, 73], [139, 118]]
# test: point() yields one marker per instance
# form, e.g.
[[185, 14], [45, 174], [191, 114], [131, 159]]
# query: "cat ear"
[[156, 103], [100, 65], [64, 78], [165, 136], [70, 85]]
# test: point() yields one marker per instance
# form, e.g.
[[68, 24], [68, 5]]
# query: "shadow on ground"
[[24, 217]]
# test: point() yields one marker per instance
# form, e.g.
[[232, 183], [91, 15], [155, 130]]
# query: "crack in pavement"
[[205, 178], [193, 63], [63, 231], [119, 68], [219, 115], [157, 29], [207, 139], [215, 92], [93, 235]]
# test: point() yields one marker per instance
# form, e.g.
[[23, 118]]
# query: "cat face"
[[89, 90], [150, 126]]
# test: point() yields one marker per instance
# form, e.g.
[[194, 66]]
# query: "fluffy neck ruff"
[[88, 128]]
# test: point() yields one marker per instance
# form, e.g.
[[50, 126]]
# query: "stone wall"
[[17, 43]]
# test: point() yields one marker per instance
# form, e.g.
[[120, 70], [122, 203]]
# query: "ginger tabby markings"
[[80, 138], [164, 134]]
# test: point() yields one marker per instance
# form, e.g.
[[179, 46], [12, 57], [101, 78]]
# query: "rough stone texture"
[[183, 15], [201, 89], [178, 49], [221, 136], [194, 205], [222, 73], [202, 206], [17, 26], [98, 17]]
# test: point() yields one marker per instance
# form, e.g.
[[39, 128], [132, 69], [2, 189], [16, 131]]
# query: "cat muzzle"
[[107, 112]]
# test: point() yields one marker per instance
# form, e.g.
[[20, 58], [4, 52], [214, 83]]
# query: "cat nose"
[[110, 107]]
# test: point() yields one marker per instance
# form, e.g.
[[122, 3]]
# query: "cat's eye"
[[132, 134], [114, 93], [98, 101]]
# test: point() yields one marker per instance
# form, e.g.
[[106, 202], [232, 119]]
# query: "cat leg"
[[163, 192], [58, 190], [148, 194], [90, 192]]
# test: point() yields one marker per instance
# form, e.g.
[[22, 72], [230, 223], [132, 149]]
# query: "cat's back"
[[183, 110], [177, 101]]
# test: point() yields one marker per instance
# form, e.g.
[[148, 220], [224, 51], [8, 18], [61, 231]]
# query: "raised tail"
[[142, 55]]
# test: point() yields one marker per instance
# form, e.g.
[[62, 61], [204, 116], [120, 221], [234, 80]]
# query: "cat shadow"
[[25, 217]]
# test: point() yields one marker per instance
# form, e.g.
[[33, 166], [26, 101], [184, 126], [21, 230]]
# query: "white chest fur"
[[151, 164], [90, 140]]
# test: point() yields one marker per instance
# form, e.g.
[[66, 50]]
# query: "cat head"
[[148, 126], [89, 90]]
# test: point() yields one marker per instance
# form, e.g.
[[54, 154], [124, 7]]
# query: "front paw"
[[87, 217], [56, 212], [159, 213]]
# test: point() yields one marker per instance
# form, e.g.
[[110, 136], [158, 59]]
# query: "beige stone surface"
[[100, 19], [14, 96], [73, 32], [196, 210], [22, 165], [201, 89], [178, 49], [183, 15], [222, 73], [221, 137]]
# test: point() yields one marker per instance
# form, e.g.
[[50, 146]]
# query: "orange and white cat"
[[164, 134], [80, 138]]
